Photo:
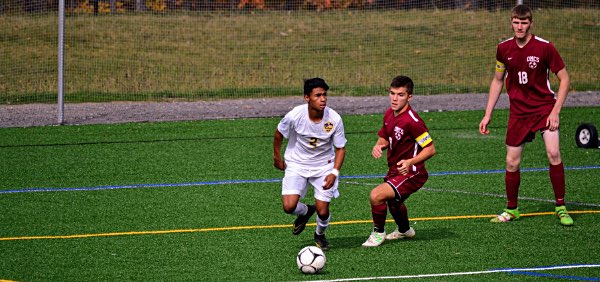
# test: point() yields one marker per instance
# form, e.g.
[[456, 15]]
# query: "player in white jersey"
[[314, 154]]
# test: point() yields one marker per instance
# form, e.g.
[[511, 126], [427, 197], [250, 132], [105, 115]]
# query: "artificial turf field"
[[201, 201]]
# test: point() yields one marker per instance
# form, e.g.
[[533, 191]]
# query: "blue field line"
[[534, 272], [247, 181], [567, 277]]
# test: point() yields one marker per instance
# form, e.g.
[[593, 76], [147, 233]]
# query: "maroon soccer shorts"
[[521, 130], [405, 185]]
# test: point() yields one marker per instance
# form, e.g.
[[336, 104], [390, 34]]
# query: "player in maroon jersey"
[[525, 62], [409, 145]]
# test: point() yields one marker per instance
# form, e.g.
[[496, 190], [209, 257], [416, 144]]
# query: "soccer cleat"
[[409, 234], [301, 220], [507, 215], [374, 240], [565, 218], [321, 242]]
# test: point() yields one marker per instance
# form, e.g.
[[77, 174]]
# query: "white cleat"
[[374, 240], [409, 234]]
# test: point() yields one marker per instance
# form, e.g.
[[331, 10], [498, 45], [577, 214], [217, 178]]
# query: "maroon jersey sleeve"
[[555, 62], [420, 132]]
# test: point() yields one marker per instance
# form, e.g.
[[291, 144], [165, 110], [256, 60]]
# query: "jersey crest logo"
[[328, 126], [533, 61], [398, 132]]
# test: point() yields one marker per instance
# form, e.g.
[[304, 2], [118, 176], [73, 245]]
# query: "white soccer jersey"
[[310, 144]]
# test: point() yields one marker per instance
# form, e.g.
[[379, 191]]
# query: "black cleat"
[[321, 242], [301, 220]]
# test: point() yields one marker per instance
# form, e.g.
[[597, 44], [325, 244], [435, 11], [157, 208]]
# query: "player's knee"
[[512, 164], [512, 167], [376, 197], [322, 209], [324, 215], [289, 209], [373, 195], [554, 156]]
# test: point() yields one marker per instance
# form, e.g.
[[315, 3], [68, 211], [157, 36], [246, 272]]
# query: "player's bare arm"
[[425, 154], [340, 154], [553, 121], [277, 141], [380, 145], [494, 95]]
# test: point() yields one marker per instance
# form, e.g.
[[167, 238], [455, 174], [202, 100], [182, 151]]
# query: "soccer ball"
[[310, 260]]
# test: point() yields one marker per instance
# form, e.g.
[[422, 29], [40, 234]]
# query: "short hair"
[[403, 81], [522, 12], [312, 83]]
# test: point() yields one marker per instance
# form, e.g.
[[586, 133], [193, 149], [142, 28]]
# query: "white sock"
[[301, 209], [322, 225]]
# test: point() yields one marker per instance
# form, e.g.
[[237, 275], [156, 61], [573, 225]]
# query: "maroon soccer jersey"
[[407, 135], [527, 75]]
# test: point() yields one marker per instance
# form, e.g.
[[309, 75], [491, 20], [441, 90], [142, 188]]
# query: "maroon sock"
[[400, 215], [379, 213], [557, 178], [513, 181]]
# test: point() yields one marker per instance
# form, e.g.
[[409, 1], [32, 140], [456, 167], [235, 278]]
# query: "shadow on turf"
[[422, 235]]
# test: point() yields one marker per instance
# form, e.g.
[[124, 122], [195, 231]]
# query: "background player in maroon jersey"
[[409, 145], [525, 61]]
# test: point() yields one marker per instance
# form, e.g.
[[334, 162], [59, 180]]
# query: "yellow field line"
[[79, 236]]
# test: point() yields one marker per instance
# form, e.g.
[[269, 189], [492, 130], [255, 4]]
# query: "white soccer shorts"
[[296, 180]]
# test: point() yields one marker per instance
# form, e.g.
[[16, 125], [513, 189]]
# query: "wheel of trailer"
[[586, 136]]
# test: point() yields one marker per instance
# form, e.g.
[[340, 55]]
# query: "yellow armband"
[[424, 139], [500, 66]]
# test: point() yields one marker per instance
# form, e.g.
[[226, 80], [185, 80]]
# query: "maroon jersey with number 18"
[[527, 75], [407, 135]]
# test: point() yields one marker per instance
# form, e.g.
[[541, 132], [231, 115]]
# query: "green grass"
[[201, 241], [235, 55]]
